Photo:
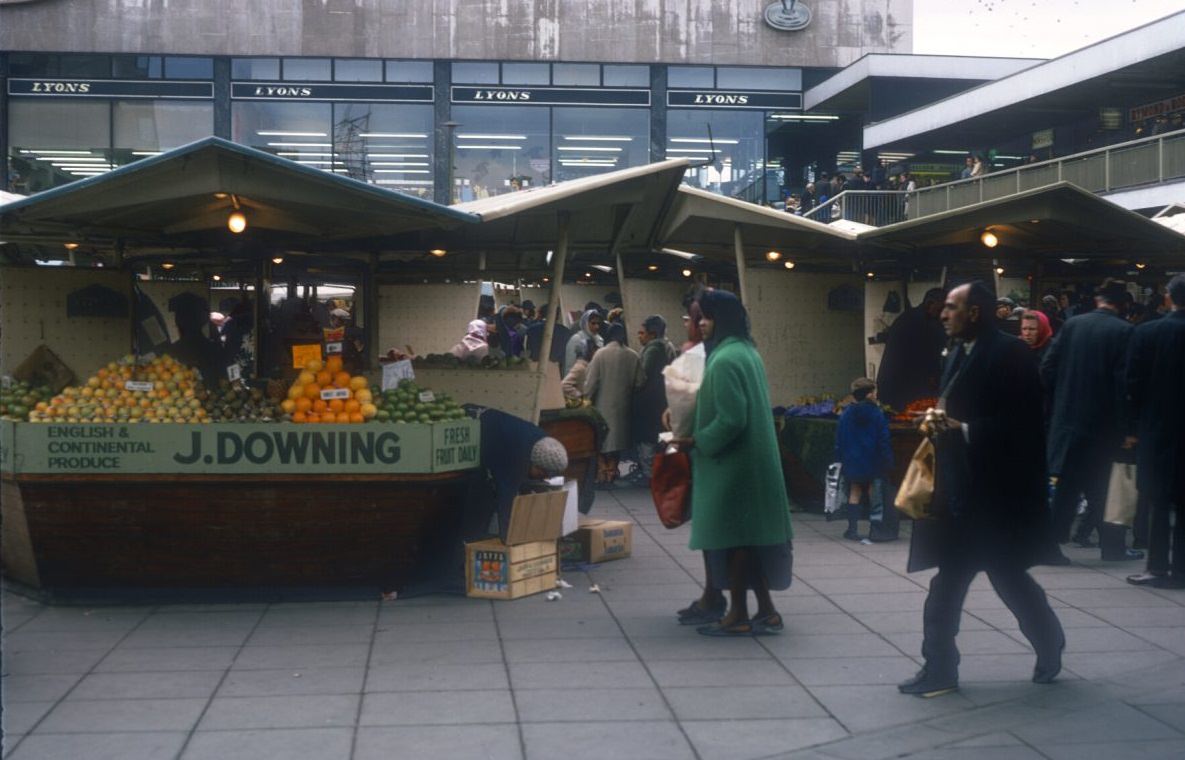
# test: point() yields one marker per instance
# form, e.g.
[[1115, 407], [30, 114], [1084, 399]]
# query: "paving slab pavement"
[[601, 675]]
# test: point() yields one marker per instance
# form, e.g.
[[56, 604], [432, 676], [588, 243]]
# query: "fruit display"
[[18, 399], [160, 390], [325, 392], [449, 361], [404, 404], [235, 403]]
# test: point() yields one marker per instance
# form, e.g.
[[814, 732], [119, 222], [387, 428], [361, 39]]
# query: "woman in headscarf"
[[573, 382], [741, 513], [610, 385], [590, 329], [474, 343], [508, 323], [1036, 331]]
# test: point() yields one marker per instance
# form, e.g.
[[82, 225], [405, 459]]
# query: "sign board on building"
[[377, 93], [1159, 108], [109, 88], [239, 449], [1043, 139], [734, 99], [552, 96]]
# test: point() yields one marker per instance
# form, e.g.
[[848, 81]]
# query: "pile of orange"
[[305, 402], [105, 397]]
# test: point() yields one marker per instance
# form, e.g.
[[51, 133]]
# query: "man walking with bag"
[[989, 499], [1155, 379]]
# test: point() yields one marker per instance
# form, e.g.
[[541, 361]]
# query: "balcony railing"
[[1147, 161], [872, 207]]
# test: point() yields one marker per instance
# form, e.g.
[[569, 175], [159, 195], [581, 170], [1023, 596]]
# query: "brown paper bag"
[[1121, 495], [916, 494]]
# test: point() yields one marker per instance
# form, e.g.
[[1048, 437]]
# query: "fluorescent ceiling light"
[[316, 163], [299, 145], [60, 152], [74, 159], [681, 254], [397, 135], [69, 167], [397, 155], [588, 163], [595, 138], [952, 152], [1011, 158], [602, 268], [402, 171], [398, 163], [473, 136], [589, 148], [280, 133], [394, 147], [303, 155], [147, 152], [419, 182], [721, 140], [802, 117], [489, 147], [688, 150]]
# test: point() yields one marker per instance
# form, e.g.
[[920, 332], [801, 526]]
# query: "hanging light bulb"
[[70, 246], [773, 255], [1140, 265], [217, 278], [788, 264], [236, 222], [438, 252], [167, 265], [652, 268], [277, 259], [686, 272], [999, 270], [989, 239]]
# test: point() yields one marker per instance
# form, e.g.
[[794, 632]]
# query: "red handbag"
[[670, 485]]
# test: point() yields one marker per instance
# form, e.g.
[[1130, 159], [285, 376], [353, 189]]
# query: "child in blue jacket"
[[862, 448]]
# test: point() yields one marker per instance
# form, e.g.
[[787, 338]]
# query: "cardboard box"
[[536, 517], [494, 570], [598, 541]]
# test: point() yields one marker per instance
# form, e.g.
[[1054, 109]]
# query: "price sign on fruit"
[[138, 385], [234, 373], [303, 354], [427, 397], [330, 394], [333, 348], [394, 372]]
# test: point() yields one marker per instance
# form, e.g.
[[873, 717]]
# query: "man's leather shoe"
[[926, 686], [1145, 579], [1048, 668]]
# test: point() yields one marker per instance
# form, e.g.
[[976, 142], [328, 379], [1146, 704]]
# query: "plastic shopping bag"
[[831, 501], [683, 377]]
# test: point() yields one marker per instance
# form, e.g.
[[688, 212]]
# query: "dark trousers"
[[1164, 540], [944, 606], [1086, 472]]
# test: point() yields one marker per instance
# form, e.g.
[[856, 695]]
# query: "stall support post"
[[738, 243], [558, 264], [370, 311], [263, 300]]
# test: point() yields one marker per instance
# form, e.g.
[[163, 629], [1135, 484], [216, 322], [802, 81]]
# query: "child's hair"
[[861, 387]]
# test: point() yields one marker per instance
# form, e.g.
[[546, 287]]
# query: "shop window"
[[626, 76], [742, 78], [590, 141], [578, 74], [697, 77], [255, 68], [475, 73], [526, 73], [734, 149], [307, 69], [188, 67], [137, 66], [499, 149], [357, 70], [54, 142], [384, 144], [297, 131], [148, 127], [409, 71]]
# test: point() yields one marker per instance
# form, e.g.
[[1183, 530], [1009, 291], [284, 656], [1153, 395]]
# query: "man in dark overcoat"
[[1156, 388], [989, 495], [1083, 371], [913, 354]]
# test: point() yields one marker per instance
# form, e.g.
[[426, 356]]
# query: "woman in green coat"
[[741, 513]]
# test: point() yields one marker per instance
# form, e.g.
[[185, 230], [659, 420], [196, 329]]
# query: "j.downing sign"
[[238, 449]]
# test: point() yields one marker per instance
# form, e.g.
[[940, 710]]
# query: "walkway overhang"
[[1055, 222], [848, 89], [1147, 63]]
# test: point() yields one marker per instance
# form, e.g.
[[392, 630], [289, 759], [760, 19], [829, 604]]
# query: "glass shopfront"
[[729, 145]]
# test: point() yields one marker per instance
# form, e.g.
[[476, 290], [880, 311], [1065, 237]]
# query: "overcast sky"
[[1027, 28]]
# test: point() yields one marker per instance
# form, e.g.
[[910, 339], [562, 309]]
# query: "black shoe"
[[1085, 543], [1048, 668], [851, 534], [1127, 556], [926, 686]]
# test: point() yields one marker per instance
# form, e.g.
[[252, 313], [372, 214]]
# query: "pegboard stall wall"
[[429, 318], [33, 311], [160, 293], [646, 297], [510, 390], [807, 348]]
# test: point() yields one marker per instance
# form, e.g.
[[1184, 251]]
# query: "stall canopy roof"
[[181, 198], [1061, 221], [703, 223]]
